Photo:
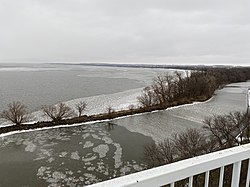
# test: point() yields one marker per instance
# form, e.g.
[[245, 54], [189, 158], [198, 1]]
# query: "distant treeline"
[[156, 66], [194, 85]]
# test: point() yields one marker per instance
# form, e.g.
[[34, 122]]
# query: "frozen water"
[[107, 140], [88, 159], [101, 150], [75, 155], [88, 144], [29, 146]]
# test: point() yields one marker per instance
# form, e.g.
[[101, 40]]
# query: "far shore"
[[103, 117]]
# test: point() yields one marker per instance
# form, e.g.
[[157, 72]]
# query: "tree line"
[[17, 112], [193, 85]]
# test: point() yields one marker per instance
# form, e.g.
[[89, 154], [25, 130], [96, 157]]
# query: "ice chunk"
[[88, 144], [107, 140], [101, 149], [29, 146], [75, 156]]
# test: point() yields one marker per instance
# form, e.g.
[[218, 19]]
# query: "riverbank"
[[40, 125]]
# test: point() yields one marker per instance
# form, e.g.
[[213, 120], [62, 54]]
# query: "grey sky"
[[148, 31]]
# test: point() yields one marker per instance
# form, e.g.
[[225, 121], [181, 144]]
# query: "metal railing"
[[171, 173]]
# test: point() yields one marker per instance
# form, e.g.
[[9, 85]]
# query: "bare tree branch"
[[58, 112], [16, 113], [80, 107]]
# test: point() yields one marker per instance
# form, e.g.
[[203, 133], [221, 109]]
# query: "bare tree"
[[152, 155], [160, 88], [147, 98], [131, 107], [80, 107], [190, 143], [229, 129], [58, 112], [187, 144], [16, 113], [110, 110]]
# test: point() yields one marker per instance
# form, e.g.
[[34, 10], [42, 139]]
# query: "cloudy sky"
[[128, 31]]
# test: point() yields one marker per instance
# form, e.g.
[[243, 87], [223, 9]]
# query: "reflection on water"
[[70, 156], [110, 126]]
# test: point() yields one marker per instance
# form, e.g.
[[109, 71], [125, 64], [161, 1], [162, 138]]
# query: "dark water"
[[70, 156]]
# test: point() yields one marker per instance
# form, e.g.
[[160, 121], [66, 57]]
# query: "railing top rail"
[[180, 170]]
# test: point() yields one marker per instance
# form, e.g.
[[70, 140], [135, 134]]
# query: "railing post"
[[190, 181], [221, 176], [236, 174], [207, 179], [248, 174]]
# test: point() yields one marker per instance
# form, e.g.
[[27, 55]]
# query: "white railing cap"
[[180, 170]]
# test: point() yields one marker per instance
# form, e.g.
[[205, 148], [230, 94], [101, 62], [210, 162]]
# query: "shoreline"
[[96, 118]]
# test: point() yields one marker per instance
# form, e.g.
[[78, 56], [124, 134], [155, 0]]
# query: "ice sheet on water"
[[90, 157], [99, 104]]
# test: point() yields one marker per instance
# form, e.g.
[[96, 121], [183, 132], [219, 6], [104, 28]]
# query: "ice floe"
[[117, 155], [88, 144], [88, 159], [75, 155], [29, 146], [101, 149]]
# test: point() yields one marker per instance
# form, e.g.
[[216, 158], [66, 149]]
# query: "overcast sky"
[[138, 31]]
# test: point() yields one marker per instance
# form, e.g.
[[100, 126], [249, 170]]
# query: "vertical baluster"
[[172, 184], [221, 176], [236, 174], [190, 181], [207, 179], [248, 174]]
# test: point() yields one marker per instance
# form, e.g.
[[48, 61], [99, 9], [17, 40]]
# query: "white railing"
[[171, 173]]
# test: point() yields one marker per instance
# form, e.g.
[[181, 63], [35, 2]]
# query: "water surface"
[[72, 156]]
